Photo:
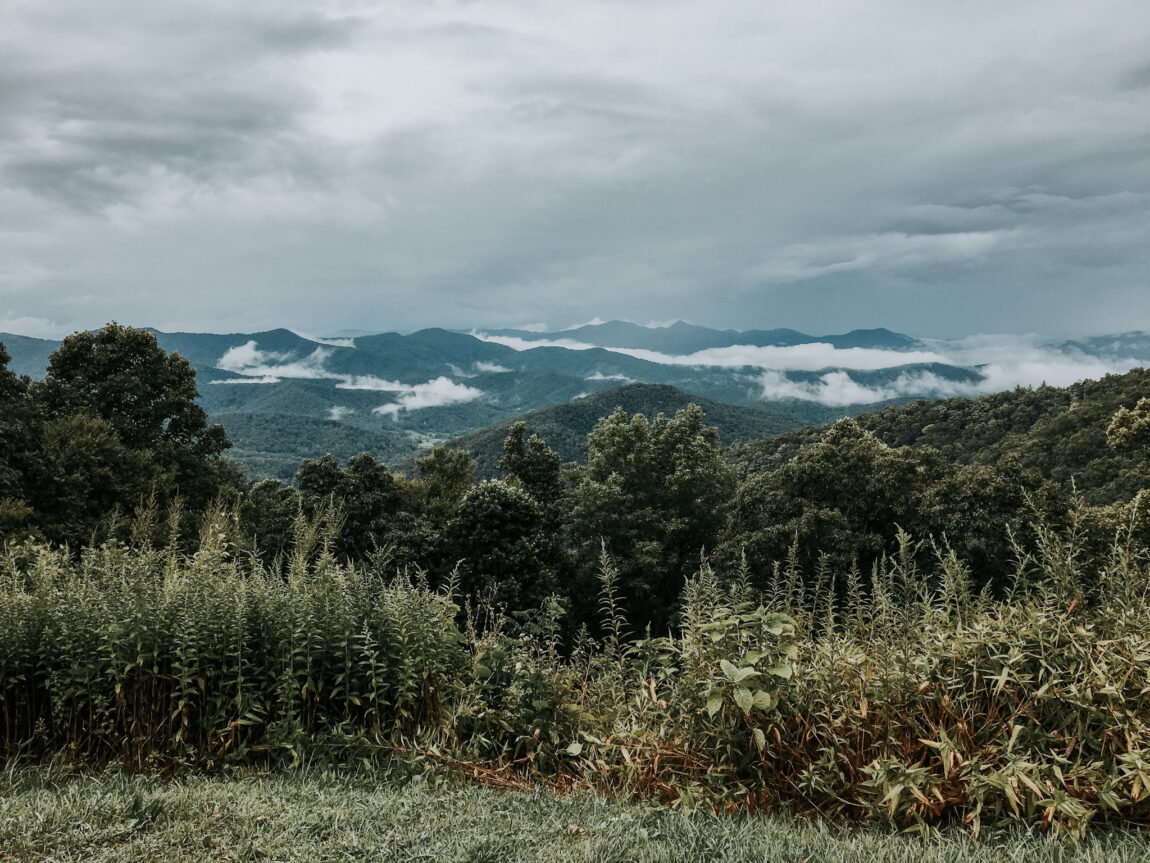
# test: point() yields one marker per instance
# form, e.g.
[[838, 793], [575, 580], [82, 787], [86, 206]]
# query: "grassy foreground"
[[49, 814]]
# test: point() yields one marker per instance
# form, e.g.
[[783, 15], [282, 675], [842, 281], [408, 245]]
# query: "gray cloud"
[[820, 372], [935, 168]]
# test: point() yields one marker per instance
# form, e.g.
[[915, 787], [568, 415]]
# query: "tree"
[[982, 511], [268, 513], [444, 476], [843, 498], [122, 375], [366, 494], [18, 422], [657, 494], [1129, 430], [531, 463], [87, 478], [119, 391], [499, 536]]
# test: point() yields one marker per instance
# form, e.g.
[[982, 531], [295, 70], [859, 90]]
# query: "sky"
[[941, 169]]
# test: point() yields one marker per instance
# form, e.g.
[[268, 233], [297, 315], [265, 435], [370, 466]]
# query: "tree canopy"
[[113, 424]]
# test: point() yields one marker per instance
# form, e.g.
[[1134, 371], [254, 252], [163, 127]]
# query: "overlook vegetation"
[[914, 618]]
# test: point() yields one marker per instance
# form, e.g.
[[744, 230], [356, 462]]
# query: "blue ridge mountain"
[[284, 396], [682, 338]]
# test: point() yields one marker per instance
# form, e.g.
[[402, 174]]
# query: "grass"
[[47, 813]]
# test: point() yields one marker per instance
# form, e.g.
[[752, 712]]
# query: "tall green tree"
[[122, 375], [1129, 429], [656, 493], [121, 422], [443, 478], [505, 551], [843, 498], [366, 494], [531, 463], [18, 423]]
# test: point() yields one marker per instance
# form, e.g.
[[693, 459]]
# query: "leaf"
[[744, 699], [742, 674], [763, 700], [776, 624], [782, 669], [728, 669], [714, 703], [760, 739], [575, 749]]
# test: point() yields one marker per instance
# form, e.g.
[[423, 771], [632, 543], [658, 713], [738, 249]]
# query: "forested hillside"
[[565, 426], [1060, 432]]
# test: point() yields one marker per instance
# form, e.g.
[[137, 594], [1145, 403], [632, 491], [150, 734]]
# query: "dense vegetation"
[[113, 424], [826, 622], [1059, 432], [911, 699], [565, 426]]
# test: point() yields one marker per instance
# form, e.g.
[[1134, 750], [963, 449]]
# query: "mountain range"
[[285, 396]]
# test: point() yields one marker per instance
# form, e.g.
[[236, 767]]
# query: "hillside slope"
[[1058, 431], [565, 426], [270, 445]]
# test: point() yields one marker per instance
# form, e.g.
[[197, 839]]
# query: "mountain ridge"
[[436, 384]]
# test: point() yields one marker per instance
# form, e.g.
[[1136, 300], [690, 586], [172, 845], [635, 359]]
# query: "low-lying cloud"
[[248, 359], [262, 379], [839, 389], [812, 355], [436, 393], [998, 362], [259, 366], [330, 342]]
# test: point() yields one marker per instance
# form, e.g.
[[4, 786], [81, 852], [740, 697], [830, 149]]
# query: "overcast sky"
[[940, 168]]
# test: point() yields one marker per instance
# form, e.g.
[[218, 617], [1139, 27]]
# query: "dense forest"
[[566, 426], [957, 582]]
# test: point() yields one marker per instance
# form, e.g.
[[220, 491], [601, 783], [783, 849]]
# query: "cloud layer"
[[267, 367], [994, 363], [936, 168]]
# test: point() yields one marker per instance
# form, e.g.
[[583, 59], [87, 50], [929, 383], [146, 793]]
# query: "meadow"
[[49, 813]]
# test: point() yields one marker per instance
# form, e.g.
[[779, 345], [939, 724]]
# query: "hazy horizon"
[[34, 328]]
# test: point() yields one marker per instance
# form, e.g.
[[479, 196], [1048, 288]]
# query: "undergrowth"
[[896, 696]]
